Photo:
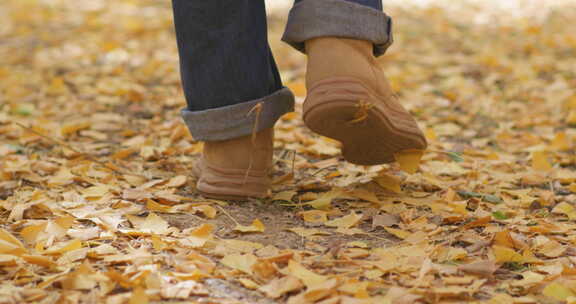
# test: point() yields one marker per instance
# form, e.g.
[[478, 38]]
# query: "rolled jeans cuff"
[[338, 18], [240, 119]]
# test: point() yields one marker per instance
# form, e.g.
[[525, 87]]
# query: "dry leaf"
[[256, 226], [409, 160], [309, 278], [346, 221]]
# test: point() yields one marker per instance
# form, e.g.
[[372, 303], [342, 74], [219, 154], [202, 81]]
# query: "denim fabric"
[[375, 4], [356, 19], [226, 65]]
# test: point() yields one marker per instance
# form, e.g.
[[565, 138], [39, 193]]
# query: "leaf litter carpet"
[[98, 205]]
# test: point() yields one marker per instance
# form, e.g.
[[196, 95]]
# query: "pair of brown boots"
[[348, 99]]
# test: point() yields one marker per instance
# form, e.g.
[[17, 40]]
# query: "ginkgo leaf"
[[139, 296], [257, 226], [284, 196], [199, 236], [281, 286], [309, 278], [10, 244], [207, 210], [308, 232], [64, 247], [177, 181], [401, 234], [540, 161], [314, 216], [154, 224], [242, 262], [566, 209], [557, 291], [346, 221], [389, 182], [409, 160], [504, 255]]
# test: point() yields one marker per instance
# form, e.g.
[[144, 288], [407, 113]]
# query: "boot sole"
[[331, 109]]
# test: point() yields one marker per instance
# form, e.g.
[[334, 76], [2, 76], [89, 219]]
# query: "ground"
[[98, 204]]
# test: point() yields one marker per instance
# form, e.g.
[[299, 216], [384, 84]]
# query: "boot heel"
[[371, 128]]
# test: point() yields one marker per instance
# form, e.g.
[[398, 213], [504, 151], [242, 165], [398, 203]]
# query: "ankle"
[[242, 152]]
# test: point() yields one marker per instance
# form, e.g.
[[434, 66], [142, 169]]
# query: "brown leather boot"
[[350, 100], [237, 168]]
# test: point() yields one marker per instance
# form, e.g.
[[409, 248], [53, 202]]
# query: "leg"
[[227, 68], [356, 19], [229, 78], [348, 96]]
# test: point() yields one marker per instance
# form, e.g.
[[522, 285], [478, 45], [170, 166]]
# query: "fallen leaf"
[[557, 291], [256, 226], [409, 160], [281, 286], [389, 182], [540, 161], [307, 232], [309, 278], [242, 262], [346, 221]]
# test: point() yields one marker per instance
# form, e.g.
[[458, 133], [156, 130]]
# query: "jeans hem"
[[337, 18], [238, 120]]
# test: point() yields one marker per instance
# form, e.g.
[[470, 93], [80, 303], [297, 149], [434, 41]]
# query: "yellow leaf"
[[248, 283], [9, 244], [566, 209], [256, 226], [409, 160], [242, 262], [9, 248], [401, 234], [298, 88], [64, 247], [83, 278], [314, 216], [177, 181], [8, 260], [199, 236], [305, 232], [389, 182], [430, 134], [325, 200], [241, 246], [65, 222], [208, 211], [57, 86], [346, 221], [284, 196], [96, 191], [557, 291], [158, 243], [572, 188], [365, 195], [154, 206], [154, 224], [560, 142], [571, 119], [309, 278], [540, 161], [123, 153], [504, 255], [74, 127], [139, 296], [30, 233], [280, 286], [39, 260]]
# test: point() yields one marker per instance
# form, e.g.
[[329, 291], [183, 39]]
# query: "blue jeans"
[[226, 65]]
